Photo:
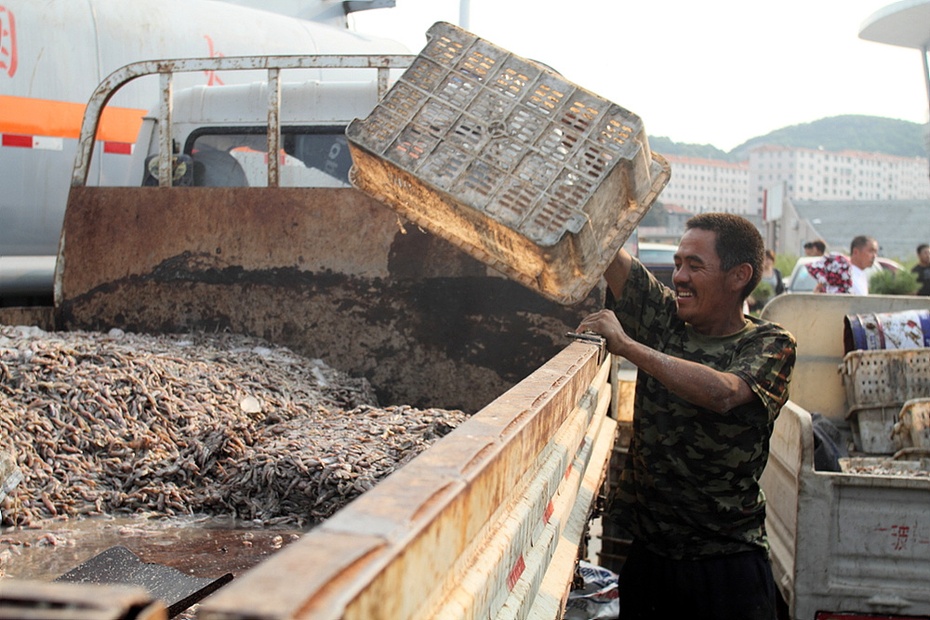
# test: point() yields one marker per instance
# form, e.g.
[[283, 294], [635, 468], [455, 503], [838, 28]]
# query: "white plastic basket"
[[527, 172], [885, 377]]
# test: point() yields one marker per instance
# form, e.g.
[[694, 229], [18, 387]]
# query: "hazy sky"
[[718, 71]]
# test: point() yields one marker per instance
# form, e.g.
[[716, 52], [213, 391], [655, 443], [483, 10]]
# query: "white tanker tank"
[[54, 53]]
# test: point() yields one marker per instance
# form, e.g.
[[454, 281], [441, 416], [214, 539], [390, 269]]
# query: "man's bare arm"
[[618, 272], [696, 383]]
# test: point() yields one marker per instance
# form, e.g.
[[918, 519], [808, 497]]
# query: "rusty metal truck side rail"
[[485, 524], [166, 69]]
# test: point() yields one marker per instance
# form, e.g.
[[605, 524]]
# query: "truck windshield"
[[310, 157]]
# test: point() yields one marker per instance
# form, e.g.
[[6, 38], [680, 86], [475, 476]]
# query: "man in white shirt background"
[[862, 253]]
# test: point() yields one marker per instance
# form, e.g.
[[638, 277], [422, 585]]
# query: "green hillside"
[[871, 134], [667, 146]]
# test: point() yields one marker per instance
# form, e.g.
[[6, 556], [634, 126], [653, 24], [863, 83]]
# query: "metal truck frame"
[[487, 523]]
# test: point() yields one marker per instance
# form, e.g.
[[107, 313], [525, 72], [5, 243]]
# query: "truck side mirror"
[[182, 171]]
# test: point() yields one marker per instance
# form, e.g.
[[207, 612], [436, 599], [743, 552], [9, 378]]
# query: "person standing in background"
[[831, 272], [922, 268], [836, 273], [817, 247], [862, 253], [771, 275]]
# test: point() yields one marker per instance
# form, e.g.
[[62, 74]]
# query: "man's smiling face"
[[700, 283]]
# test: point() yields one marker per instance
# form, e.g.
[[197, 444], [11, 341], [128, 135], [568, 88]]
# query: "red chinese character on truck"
[[900, 534]]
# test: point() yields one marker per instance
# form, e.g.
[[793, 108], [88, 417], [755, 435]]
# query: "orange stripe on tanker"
[[62, 119]]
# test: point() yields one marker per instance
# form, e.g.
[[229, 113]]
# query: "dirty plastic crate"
[[882, 377], [873, 427], [527, 172]]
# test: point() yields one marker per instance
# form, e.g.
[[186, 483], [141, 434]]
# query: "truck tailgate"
[[843, 541]]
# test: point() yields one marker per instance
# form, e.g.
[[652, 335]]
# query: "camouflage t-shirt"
[[690, 487]]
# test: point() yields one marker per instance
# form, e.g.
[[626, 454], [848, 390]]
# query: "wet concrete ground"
[[200, 547]]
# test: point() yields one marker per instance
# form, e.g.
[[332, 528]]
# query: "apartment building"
[[700, 185], [811, 174]]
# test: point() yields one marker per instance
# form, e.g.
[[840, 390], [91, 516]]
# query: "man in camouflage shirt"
[[710, 383]]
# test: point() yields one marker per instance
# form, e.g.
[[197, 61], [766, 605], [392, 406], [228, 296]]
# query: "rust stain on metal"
[[336, 586], [517, 421], [478, 458], [435, 499]]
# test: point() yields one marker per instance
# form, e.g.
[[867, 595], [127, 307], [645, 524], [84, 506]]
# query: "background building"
[[898, 225], [701, 185], [809, 174], [775, 179]]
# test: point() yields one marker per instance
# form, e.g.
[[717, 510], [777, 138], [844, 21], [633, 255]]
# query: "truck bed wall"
[[471, 528], [839, 541], [329, 273]]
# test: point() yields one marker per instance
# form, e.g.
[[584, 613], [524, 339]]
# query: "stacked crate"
[[878, 384]]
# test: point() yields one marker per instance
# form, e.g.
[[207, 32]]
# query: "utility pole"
[[464, 10]]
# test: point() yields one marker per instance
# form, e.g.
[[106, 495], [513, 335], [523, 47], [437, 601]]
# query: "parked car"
[[801, 281], [659, 258]]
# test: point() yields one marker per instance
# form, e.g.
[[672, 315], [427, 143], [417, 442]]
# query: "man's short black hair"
[[738, 242], [816, 244], [922, 247], [859, 242]]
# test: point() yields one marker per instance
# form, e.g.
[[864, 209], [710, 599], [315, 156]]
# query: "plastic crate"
[[872, 428], [525, 171], [885, 377]]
